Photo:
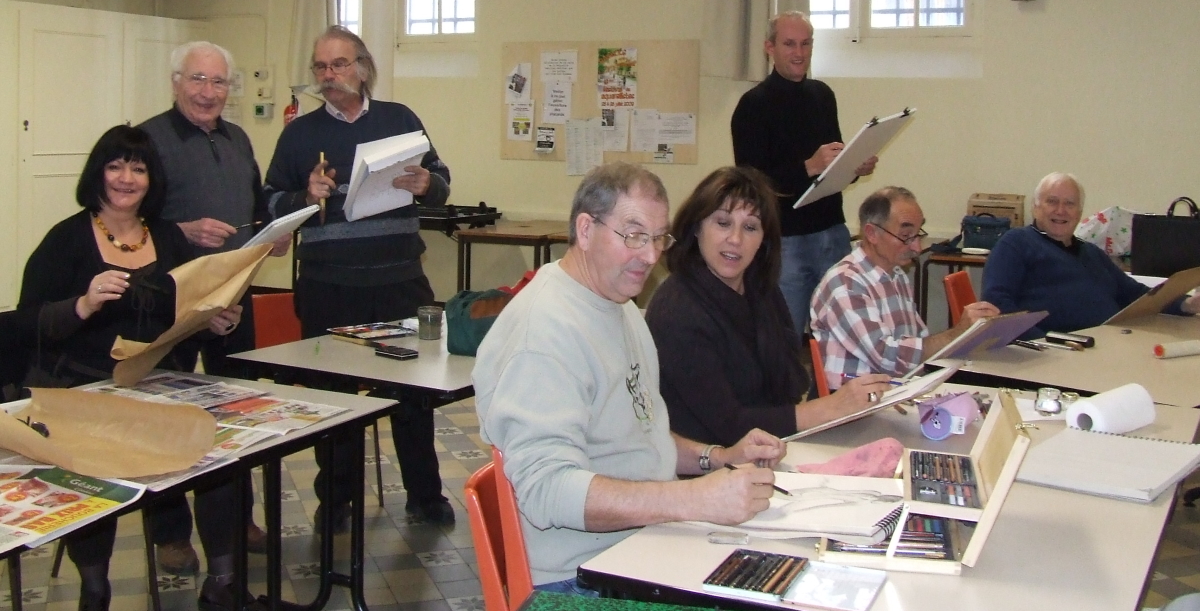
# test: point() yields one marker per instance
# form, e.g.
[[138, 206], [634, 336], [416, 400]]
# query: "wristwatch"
[[705, 461]]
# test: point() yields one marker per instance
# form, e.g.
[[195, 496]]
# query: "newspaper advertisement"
[[38, 503]]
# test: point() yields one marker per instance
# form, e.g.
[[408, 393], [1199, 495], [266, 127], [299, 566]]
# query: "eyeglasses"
[[338, 66], [921, 233], [200, 80], [639, 240]]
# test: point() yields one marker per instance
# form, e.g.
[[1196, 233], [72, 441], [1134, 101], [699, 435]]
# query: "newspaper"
[[273, 414], [38, 504], [226, 443], [176, 388]]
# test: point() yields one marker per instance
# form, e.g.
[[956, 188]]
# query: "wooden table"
[[513, 233], [1050, 549]]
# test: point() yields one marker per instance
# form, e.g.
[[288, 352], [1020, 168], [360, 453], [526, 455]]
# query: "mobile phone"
[[1061, 338], [396, 352]]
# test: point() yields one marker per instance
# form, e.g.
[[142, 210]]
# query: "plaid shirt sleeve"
[[866, 327]]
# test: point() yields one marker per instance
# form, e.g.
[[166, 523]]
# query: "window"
[[349, 14], [441, 17], [887, 14], [829, 14]]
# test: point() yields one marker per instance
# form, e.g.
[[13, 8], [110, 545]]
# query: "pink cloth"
[[875, 459]]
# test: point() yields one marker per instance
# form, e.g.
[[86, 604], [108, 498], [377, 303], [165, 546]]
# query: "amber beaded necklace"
[[117, 243]]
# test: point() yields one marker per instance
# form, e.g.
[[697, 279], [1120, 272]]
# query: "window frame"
[[439, 36], [860, 25]]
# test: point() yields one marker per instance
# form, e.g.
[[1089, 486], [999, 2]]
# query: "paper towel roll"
[[1174, 349], [1119, 410]]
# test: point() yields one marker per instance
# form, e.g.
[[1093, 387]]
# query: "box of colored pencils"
[[926, 544], [756, 575], [961, 486]]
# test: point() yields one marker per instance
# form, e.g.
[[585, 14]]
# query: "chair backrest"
[[496, 533], [959, 294], [818, 368], [275, 320], [15, 347]]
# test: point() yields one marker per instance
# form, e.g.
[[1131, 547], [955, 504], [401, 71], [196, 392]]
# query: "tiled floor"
[[418, 567]]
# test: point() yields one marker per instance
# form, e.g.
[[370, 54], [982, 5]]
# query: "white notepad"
[[376, 164], [281, 226], [1126, 468]]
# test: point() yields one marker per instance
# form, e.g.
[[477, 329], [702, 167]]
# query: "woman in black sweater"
[[729, 356], [101, 273]]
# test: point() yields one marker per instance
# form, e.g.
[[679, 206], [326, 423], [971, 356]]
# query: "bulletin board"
[[667, 81]]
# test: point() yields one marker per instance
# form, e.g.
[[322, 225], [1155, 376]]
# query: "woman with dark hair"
[[729, 355], [101, 273]]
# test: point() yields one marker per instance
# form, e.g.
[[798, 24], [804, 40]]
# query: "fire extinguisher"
[[291, 111]]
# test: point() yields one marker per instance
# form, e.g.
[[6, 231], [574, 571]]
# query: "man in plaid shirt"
[[863, 315]]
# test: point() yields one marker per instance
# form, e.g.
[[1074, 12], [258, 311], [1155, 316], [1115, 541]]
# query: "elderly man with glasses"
[[567, 384], [368, 270], [863, 315], [214, 193]]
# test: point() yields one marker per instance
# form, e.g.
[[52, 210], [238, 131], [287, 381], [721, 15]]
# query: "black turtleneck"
[[777, 126]]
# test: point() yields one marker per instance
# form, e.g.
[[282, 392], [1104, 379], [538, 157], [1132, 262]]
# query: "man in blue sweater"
[[1043, 266], [368, 270]]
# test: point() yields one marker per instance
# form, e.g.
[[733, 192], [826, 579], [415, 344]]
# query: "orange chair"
[[496, 533], [818, 368], [275, 320], [959, 294], [275, 323]]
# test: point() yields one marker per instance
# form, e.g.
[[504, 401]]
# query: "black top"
[[729, 362], [61, 270], [776, 126], [209, 175]]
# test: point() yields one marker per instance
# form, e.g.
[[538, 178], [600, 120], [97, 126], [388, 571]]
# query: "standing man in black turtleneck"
[[787, 127]]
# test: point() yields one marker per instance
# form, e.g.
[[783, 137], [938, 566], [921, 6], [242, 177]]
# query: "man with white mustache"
[[366, 271], [863, 314]]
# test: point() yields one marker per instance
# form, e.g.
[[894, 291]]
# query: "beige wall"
[[1104, 88]]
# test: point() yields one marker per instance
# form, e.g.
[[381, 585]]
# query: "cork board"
[[668, 81]]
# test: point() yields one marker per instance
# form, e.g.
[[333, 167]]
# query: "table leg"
[[923, 304], [272, 507], [355, 579], [537, 254], [14, 581], [464, 263]]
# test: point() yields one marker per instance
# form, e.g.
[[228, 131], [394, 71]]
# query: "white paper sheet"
[[556, 104], [676, 128], [645, 130], [560, 66], [616, 135], [520, 122]]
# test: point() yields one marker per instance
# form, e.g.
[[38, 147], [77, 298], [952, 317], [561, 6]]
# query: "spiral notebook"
[[1103, 464]]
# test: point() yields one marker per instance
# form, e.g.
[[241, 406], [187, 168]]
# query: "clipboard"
[[989, 334], [281, 226], [869, 140], [1154, 301]]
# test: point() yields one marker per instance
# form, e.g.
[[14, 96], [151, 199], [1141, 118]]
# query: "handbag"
[[469, 316], [983, 231], [1165, 244]]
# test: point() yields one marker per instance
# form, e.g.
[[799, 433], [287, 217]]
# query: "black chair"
[[16, 333]]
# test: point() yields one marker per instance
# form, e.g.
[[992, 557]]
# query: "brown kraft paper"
[[203, 288], [103, 435]]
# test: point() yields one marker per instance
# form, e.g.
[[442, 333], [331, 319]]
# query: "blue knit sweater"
[[1080, 287], [378, 250]]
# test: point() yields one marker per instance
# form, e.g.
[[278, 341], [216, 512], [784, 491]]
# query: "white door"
[[80, 73], [70, 74]]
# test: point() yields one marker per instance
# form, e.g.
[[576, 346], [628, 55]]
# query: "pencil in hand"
[[777, 488]]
